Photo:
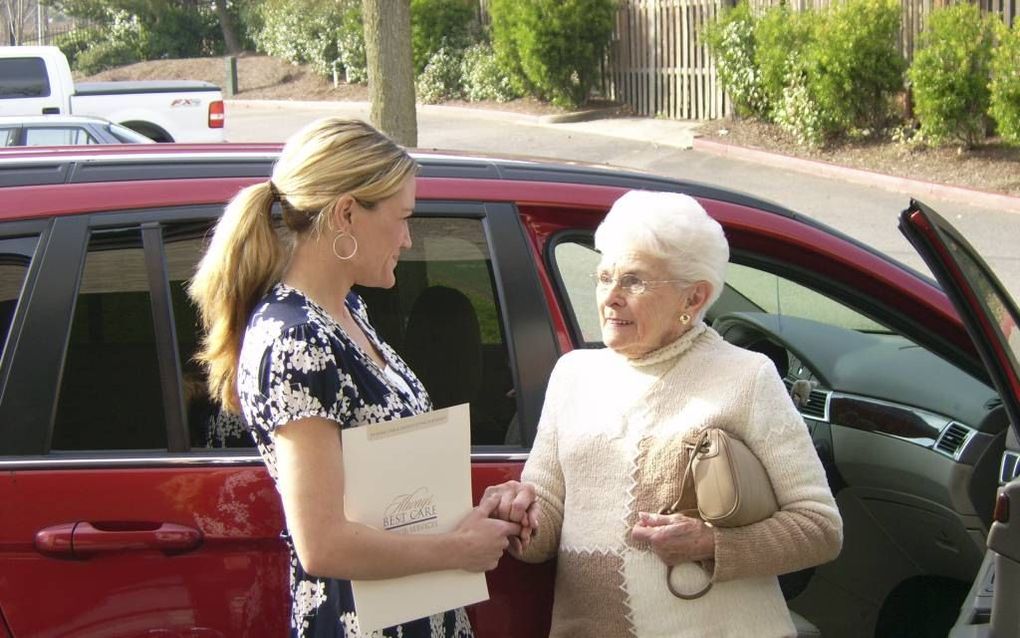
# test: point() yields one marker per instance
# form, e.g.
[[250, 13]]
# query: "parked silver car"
[[64, 130]]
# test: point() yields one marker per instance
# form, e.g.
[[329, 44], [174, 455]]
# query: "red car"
[[133, 506]]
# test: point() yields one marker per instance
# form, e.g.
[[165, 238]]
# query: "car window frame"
[[14, 239], [930, 234], [58, 273], [836, 290], [531, 344]]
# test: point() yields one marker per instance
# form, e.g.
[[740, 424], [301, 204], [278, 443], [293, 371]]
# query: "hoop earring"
[[340, 236], [685, 319]]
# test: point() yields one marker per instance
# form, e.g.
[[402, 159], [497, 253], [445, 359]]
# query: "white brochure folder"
[[411, 476]]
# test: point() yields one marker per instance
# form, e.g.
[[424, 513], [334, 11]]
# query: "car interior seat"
[[443, 346]]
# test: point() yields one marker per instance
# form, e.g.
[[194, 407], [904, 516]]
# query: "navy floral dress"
[[297, 362]]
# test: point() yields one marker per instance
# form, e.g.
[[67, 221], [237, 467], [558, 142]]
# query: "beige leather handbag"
[[731, 485]]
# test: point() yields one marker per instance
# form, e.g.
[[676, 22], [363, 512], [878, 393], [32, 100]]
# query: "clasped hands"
[[515, 502], [674, 538]]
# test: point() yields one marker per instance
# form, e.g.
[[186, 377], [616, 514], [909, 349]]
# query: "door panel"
[[233, 583]]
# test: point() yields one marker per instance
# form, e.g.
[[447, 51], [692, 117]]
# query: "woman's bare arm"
[[309, 461]]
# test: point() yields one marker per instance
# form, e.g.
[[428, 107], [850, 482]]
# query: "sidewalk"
[[673, 134]]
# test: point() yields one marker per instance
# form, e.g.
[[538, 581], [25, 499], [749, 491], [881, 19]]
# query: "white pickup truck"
[[37, 81]]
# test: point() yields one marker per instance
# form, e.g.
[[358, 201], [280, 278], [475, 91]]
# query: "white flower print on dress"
[[296, 361], [307, 597]]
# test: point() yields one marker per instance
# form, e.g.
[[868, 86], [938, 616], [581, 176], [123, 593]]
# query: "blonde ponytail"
[[319, 164], [243, 260]]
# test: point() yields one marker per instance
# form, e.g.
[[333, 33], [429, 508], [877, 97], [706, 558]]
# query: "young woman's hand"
[[517, 504], [480, 539]]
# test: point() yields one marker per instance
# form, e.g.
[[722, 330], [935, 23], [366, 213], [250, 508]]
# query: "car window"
[[992, 297], [780, 296], [443, 317], [110, 393], [747, 289], [23, 77], [14, 262], [58, 136], [8, 136], [126, 135], [576, 261]]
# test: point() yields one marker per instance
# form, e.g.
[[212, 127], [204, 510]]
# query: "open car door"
[[991, 319]]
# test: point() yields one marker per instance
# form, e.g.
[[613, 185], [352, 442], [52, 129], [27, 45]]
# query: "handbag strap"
[[685, 477], [679, 594]]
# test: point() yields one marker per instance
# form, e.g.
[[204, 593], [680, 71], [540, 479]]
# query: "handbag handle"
[[679, 594], [694, 448]]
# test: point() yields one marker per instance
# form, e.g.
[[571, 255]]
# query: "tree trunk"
[[390, 68], [227, 26]]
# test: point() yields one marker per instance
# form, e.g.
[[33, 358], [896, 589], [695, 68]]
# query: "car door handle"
[[51, 110], [84, 539]]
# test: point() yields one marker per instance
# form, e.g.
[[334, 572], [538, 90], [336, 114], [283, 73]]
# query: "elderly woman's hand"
[[517, 504], [675, 538]]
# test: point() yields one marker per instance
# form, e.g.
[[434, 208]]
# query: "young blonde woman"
[[289, 345]]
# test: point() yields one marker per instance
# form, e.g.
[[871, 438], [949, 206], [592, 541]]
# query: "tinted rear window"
[[23, 77]]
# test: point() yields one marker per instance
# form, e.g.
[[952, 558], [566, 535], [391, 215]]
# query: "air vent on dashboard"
[[817, 406], [953, 439]]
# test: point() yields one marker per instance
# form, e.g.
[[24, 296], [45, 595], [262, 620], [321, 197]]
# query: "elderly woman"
[[608, 450]]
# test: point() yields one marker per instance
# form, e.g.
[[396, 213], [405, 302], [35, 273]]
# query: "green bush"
[[176, 31], [351, 42], [831, 73], [854, 64], [439, 24], [105, 55], [554, 45], [483, 78], [800, 114], [781, 35], [314, 32], [441, 78], [950, 75], [75, 42], [731, 43], [1005, 86], [118, 44]]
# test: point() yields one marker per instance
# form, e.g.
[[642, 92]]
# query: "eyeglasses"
[[630, 284]]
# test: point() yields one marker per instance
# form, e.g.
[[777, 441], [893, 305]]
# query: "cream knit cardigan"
[[607, 448]]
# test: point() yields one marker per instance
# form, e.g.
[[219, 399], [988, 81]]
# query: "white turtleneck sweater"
[[608, 447]]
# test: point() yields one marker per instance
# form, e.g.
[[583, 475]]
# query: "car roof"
[[222, 167], [54, 120]]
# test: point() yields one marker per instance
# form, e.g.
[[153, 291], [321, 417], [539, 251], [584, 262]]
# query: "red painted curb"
[[913, 187]]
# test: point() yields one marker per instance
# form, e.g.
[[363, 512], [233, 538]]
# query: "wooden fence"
[[659, 66]]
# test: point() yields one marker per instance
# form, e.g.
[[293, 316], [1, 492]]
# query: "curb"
[[484, 114], [913, 187]]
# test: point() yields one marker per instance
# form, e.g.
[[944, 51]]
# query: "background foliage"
[[441, 24], [950, 75], [1004, 89], [552, 47]]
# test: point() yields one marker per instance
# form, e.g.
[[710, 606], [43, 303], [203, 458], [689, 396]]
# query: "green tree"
[[165, 28]]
